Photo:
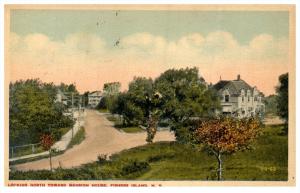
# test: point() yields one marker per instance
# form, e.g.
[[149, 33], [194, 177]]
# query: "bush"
[[102, 158], [134, 168]]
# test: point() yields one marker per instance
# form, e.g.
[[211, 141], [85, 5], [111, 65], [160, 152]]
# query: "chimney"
[[238, 77]]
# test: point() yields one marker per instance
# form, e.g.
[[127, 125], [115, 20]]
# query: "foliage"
[[271, 105], [266, 161], [46, 141], [282, 91], [33, 111], [176, 95], [185, 96], [102, 158], [111, 88], [78, 138], [227, 135]]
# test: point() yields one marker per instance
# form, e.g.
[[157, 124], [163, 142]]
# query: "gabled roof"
[[234, 86]]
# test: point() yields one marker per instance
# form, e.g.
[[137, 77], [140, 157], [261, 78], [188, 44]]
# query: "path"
[[101, 138]]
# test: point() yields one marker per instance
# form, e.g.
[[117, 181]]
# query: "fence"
[[22, 150]]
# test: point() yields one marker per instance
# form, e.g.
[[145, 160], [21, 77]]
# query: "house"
[[61, 97], [239, 99], [94, 98]]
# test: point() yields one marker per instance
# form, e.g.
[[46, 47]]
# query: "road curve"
[[101, 138]]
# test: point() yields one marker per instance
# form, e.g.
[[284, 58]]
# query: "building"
[[94, 98], [239, 99], [61, 97]]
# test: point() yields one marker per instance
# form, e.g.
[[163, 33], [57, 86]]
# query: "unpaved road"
[[101, 138]]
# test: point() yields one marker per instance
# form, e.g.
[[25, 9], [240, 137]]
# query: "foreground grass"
[[173, 161]]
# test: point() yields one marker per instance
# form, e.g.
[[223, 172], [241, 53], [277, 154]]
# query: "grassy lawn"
[[119, 125], [268, 160], [78, 138], [132, 129]]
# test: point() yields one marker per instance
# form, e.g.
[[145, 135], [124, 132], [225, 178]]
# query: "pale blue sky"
[[57, 24]]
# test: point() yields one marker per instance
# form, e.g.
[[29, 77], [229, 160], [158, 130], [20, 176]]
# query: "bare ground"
[[101, 138]]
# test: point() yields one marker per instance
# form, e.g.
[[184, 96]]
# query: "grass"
[[64, 130], [78, 138], [27, 150], [268, 160], [119, 125], [132, 129], [35, 158], [103, 110]]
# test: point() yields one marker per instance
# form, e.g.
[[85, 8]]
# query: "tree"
[[47, 141], [185, 96], [111, 88], [226, 135], [282, 91], [271, 105], [33, 111]]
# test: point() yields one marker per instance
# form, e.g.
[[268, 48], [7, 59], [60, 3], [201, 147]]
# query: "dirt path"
[[101, 138]]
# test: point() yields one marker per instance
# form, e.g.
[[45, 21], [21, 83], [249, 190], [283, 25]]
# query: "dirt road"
[[101, 138]]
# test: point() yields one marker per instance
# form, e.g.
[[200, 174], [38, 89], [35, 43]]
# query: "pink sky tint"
[[89, 80]]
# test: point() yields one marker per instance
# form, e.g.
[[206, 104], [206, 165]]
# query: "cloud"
[[88, 60]]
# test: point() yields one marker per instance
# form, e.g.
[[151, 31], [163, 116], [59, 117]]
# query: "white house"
[[61, 97], [94, 98], [239, 99]]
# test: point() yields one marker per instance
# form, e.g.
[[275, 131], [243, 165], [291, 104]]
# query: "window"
[[242, 98], [226, 98], [255, 98], [248, 98]]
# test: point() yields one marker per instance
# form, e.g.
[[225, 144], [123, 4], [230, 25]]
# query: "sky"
[[90, 48]]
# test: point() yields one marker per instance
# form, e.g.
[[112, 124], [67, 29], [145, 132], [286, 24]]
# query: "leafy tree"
[[271, 104], [47, 141], [185, 96], [111, 88], [226, 135], [33, 111], [282, 91]]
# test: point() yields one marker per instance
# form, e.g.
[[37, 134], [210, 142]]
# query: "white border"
[[168, 189]]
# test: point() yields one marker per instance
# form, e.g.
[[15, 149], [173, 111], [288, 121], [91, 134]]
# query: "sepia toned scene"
[[154, 95]]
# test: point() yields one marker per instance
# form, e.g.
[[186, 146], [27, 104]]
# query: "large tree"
[[282, 91], [185, 96], [33, 111], [176, 96], [226, 135], [140, 105]]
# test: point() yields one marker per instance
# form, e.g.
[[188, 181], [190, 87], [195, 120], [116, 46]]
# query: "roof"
[[234, 86]]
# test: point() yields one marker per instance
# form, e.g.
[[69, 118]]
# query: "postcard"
[[149, 95]]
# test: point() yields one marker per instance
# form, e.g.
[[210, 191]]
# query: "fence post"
[[32, 148]]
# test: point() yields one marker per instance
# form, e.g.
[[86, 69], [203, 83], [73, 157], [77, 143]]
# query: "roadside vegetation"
[[118, 124], [78, 138], [267, 160], [33, 112]]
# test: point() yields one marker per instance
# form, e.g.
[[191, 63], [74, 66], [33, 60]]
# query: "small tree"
[[282, 91], [226, 135], [47, 141]]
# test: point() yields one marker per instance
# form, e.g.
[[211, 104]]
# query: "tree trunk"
[[50, 160], [219, 166]]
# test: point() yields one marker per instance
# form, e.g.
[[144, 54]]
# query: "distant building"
[[239, 99], [61, 97], [94, 98]]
